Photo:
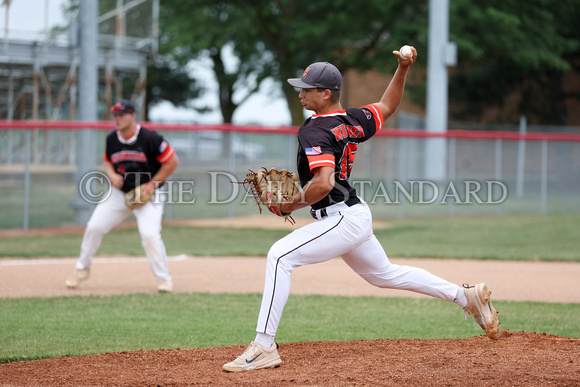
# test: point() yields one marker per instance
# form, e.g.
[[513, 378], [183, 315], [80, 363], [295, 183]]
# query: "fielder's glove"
[[272, 187], [139, 195]]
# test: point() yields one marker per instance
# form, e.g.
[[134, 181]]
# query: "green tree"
[[513, 46], [206, 29], [506, 46], [279, 38], [170, 82], [349, 34]]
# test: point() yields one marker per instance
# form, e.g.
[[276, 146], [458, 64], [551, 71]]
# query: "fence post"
[[28, 155], [168, 205], [291, 151], [231, 169], [88, 101], [521, 159], [452, 155], [403, 151], [10, 142], [498, 155], [544, 178]]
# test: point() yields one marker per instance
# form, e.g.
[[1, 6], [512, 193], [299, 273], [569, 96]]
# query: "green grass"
[[524, 237], [199, 241], [36, 328]]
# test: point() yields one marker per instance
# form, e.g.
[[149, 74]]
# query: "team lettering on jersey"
[[343, 131], [349, 152], [128, 156]]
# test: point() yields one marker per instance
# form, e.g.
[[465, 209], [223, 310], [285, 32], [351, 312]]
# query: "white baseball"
[[405, 50]]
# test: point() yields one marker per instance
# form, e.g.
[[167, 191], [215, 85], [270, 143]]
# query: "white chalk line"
[[61, 261]]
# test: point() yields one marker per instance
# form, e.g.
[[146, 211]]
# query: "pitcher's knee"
[[275, 252], [281, 258], [279, 250], [272, 257], [96, 230], [150, 240]]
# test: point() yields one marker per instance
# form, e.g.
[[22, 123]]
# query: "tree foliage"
[[169, 82], [346, 33], [513, 46], [279, 38], [505, 46], [202, 29]]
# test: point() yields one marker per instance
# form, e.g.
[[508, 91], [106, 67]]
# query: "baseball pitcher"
[[328, 144]]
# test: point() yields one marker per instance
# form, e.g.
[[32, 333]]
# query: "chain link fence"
[[487, 173]]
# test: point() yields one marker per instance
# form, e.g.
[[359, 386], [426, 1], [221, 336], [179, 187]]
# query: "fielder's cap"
[[122, 107], [319, 74]]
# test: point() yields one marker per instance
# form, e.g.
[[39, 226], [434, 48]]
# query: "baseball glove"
[[139, 195], [272, 187]]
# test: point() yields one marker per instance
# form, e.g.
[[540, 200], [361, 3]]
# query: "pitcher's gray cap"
[[319, 75]]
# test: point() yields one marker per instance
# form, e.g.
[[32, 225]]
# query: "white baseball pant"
[[111, 212], [345, 232]]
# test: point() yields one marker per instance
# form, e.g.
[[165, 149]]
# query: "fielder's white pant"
[[112, 211], [346, 232]]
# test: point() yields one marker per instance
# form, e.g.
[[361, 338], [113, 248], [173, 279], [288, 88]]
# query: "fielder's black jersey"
[[137, 158], [331, 140]]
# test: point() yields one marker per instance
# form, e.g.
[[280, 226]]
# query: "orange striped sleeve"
[[322, 160], [166, 155], [105, 157], [377, 115]]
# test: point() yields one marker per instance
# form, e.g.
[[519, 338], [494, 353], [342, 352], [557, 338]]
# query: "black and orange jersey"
[[137, 158], [331, 140]]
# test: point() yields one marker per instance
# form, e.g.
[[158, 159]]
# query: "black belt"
[[350, 202]]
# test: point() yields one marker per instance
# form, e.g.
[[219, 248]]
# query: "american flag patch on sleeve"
[[315, 150]]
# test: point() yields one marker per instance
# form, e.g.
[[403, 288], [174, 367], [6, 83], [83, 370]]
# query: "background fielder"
[[133, 156], [326, 152]]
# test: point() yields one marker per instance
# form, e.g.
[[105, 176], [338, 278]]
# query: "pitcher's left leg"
[[370, 261]]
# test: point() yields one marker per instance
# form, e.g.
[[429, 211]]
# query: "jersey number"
[[346, 160]]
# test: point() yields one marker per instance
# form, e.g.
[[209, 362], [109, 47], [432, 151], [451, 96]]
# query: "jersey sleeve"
[[370, 119], [166, 152], [162, 151], [317, 146], [376, 114]]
